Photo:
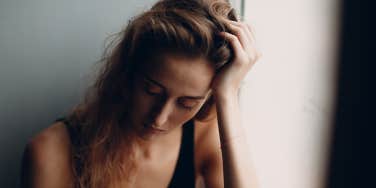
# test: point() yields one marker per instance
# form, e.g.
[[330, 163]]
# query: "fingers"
[[250, 28], [235, 43], [245, 27], [244, 32], [240, 33], [242, 39]]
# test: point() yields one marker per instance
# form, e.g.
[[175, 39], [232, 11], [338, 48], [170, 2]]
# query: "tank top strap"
[[77, 161], [184, 174], [73, 134]]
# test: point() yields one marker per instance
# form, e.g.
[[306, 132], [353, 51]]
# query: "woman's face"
[[167, 93]]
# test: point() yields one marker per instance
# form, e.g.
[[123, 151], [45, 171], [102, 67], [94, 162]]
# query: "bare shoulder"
[[46, 158], [208, 155], [207, 140], [206, 132], [52, 142]]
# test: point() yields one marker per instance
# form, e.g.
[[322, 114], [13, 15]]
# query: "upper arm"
[[210, 165], [46, 161]]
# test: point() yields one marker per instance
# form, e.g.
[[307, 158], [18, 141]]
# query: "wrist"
[[226, 95]]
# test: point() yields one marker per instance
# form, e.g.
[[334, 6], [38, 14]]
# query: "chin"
[[146, 136]]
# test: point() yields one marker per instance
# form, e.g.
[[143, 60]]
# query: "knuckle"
[[237, 30], [232, 37], [243, 25]]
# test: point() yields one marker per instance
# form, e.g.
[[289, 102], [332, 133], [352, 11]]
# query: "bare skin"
[[49, 159], [163, 108]]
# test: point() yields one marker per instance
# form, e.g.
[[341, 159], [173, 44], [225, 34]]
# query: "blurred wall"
[[47, 48], [288, 96]]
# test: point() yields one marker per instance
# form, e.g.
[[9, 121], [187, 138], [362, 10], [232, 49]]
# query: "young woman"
[[163, 111]]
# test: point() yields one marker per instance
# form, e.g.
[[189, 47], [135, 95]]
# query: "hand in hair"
[[242, 40], [238, 170]]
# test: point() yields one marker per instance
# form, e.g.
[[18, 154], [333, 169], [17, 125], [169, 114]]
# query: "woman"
[[163, 111]]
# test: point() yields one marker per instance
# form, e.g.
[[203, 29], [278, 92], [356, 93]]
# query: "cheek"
[[182, 116], [141, 102], [139, 106]]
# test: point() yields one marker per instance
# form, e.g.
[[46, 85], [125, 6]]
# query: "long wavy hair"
[[185, 27]]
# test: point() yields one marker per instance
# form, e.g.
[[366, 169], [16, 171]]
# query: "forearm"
[[237, 167]]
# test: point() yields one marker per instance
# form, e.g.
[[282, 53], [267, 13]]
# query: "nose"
[[161, 115]]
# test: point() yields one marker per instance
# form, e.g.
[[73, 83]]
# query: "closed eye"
[[151, 89], [152, 92], [188, 108], [188, 104]]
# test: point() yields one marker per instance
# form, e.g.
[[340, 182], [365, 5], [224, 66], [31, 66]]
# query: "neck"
[[154, 145], [148, 146]]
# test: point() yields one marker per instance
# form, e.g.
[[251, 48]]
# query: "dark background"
[[352, 157]]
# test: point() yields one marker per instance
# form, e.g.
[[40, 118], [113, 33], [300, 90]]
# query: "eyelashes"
[[156, 94], [149, 89], [154, 91], [188, 108]]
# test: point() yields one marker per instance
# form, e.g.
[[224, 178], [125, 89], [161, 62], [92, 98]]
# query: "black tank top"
[[184, 174]]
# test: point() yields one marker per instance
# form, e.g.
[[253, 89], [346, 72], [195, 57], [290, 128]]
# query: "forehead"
[[181, 75]]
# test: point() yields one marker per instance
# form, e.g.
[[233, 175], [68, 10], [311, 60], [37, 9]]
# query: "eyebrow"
[[160, 85]]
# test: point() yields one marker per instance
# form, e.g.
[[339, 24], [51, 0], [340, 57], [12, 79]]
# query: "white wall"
[[288, 95]]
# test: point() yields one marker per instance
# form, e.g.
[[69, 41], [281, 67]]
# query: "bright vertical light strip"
[[238, 5], [287, 100]]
